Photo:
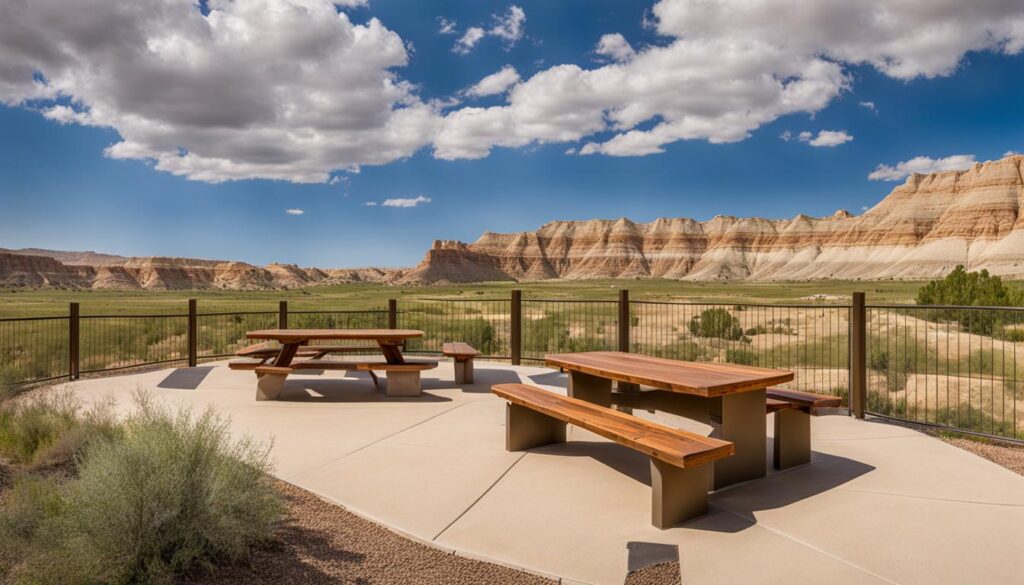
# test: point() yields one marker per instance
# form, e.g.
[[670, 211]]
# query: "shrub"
[[740, 356], [972, 289], [172, 493], [717, 322], [51, 429]]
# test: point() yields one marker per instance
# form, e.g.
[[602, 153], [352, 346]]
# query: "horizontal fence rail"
[[956, 367]]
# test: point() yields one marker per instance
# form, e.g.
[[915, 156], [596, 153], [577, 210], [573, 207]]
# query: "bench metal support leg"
[[593, 389], [740, 418], [403, 384], [268, 386], [526, 429], [677, 494], [792, 439], [463, 371], [376, 380]]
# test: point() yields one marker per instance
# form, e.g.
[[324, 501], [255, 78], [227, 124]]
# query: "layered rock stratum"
[[922, 229], [41, 269]]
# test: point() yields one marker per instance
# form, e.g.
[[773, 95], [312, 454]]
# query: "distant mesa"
[[922, 229]]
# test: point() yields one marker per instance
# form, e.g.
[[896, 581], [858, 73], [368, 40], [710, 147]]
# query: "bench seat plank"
[[807, 400], [674, 446], [458, 349], [364, 365]]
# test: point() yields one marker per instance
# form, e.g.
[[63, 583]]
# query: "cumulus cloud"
[[615, 47], [923, 165], [509, 26], [294, 90], [869, 106], [730, 66], [405, 202], [294, 211], [495, 83], [370, 204], [273, 89]]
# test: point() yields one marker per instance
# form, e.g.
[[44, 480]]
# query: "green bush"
[[717, 322], [51, 429], [740, 356], [970, 289], [173, 492]]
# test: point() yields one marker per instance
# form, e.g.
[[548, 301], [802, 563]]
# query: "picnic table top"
[[299, 335], [699, 378]]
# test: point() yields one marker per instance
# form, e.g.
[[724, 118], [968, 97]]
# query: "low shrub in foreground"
[[51, 429], [169, 493]]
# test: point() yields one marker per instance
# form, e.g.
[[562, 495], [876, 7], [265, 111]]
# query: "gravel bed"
[[1005, 454], [323, 543], [660, 574]]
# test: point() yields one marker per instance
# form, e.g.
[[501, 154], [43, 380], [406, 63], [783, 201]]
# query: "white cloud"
[[352, 3], [446, 26], [274, 89], [294, 211], [495, 83], [729, 67], [869, 106], [615, 47], [468, 40], [406, 202], [294, 90], [370, 204], [508, 26], [828, 138], [1010, 153], [923, 165]]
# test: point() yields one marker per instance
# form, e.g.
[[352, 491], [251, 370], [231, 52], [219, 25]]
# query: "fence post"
[[516, 327], [624, 327], [193, 333], [624, 320], [282, 315], [392, 313], [858, 357], [74, 357]]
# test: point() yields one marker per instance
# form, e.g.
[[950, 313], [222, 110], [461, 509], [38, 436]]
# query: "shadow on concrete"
[[348, 390], [777, 490], [185, 378], [552, 378], [484, 378]]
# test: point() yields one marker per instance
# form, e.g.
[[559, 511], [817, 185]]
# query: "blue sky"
[[61, 189]]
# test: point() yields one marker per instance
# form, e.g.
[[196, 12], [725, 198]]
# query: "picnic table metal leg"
[[526, 428], [677, 494], [391, 351], [740, 418], [286, 355], [593, 389]]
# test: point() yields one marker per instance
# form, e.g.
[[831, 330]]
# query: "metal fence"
[[947, 366], [951, 367]]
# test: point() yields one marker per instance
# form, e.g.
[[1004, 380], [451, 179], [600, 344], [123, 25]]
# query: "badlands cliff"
[[923, 229], [41, 268]]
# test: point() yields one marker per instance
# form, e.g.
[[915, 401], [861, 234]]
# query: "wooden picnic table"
[[291, 340], [729, 397]]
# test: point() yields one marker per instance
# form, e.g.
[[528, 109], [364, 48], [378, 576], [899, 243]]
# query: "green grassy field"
[[33, 303]]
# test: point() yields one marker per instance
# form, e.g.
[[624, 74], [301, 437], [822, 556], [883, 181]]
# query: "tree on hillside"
[[977, 289]]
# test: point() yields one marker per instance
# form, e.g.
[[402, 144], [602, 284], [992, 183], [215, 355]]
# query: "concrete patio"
[[878, 504]]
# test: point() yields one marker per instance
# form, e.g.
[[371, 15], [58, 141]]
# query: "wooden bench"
[[793, 410], [403, 379], [680, 470], [462, 354]]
